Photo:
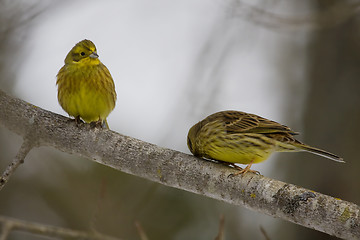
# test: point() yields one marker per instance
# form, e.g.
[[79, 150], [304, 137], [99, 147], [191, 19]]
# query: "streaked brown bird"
[[239, 137]]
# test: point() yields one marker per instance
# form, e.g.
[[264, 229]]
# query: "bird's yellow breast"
[[238, 156], [86, 90], [237, 148]]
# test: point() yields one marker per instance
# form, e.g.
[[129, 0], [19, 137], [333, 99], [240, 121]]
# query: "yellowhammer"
[[238, 137], [86, 89]]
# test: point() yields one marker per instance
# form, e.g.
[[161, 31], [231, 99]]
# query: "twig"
[[221, 234], [179, 170], [11, 224], [331, 17], [141, 231], [5, 230], [100, 203], [19, 159], [264, 233]]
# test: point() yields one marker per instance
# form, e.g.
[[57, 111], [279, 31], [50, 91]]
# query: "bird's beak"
[[93, 55]]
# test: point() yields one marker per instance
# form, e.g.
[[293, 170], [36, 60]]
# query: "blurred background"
[[174, 63]]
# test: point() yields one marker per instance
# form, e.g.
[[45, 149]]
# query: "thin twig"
[[264, 233], [221, 234], [19, 159], [331, 17], [100, 203], [5, 230], [141, 231], [48, 230]]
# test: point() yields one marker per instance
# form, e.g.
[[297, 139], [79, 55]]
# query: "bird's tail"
[[320, 152]]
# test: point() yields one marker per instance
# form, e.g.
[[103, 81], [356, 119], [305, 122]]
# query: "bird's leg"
[[235, 166], [245, 170], [96, 124], [100, 124], [78, 120]]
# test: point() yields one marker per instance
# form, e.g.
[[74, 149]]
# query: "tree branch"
[[9, 224], [19, 159], [337, 14], [179, 170]]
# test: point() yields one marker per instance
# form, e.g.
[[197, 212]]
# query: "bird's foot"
[[243, 170], [97, 124], [77, 121]]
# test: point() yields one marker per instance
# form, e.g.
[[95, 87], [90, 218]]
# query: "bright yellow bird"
[[86, 89], [239, 137]]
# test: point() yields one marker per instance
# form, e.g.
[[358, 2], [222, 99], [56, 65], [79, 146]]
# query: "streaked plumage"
[[86, 89], [239, 137]]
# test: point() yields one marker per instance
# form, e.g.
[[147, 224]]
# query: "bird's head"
[[192, 139], [83, 52]]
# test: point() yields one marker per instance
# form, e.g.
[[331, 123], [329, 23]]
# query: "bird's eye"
[[82, 54]]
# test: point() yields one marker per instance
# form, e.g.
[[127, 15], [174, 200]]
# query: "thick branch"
[[175, 169]]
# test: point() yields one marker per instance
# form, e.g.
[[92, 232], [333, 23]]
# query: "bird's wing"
[[240, 122]]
